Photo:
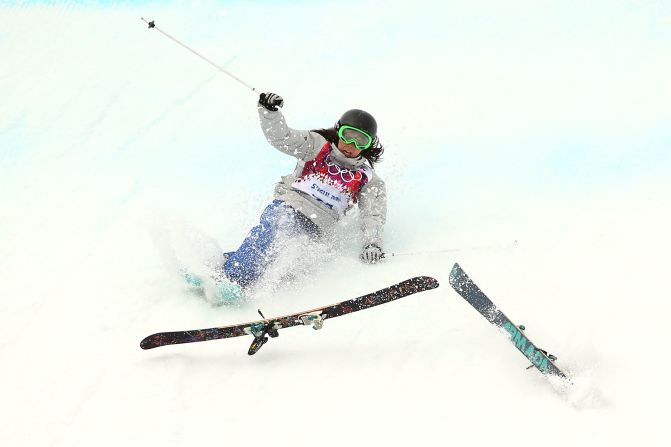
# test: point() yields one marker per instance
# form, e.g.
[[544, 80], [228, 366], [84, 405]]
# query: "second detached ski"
[[539, 358]]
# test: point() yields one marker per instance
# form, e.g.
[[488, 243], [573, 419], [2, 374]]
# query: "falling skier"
[[334, 172]]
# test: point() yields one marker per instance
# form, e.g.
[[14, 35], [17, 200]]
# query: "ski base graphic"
[[265, 328], [539, 358]]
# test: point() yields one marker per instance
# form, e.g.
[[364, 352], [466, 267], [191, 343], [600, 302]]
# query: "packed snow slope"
[[530, 139]]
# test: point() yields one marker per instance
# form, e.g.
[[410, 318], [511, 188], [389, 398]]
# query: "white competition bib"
[[334, 187]]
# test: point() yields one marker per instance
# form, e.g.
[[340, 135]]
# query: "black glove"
[[271, 101], [372, 254]]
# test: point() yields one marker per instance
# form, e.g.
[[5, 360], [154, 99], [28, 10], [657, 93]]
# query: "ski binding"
[[313, 319]]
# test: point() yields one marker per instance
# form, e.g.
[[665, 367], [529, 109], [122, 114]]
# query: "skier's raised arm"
[[301, 144]]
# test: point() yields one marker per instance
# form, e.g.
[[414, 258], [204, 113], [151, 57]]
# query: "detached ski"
[[315, 318], [539, 358]]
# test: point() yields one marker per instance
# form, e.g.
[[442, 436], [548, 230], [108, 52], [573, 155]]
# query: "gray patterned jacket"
[[305, 145]]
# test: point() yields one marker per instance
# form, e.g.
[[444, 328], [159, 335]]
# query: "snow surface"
[[530, 138]]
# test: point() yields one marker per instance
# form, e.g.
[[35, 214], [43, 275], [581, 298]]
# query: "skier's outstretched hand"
[[372, 254], [271, 101]]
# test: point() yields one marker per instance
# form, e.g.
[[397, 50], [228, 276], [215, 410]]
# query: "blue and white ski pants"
[[246, 265]]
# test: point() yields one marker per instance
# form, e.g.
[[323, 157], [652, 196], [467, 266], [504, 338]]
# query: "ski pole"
[[153, 25], [430, 252], [451, 250]]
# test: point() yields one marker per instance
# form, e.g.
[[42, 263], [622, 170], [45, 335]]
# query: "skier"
[[334, 171]]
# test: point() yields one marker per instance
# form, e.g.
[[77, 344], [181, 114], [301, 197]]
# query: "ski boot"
[[223, 292], [215, 266], [193, 281]]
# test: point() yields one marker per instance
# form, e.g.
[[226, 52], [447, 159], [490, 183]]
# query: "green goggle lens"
[[359, 137]]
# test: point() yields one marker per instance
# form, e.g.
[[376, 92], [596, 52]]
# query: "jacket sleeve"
[[301, 144], [373, 211]]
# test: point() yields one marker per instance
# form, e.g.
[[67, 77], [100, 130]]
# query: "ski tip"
[[456, 273], [427, 282], [149, 342]]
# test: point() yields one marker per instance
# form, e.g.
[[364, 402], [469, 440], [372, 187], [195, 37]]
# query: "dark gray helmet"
[[359, 119]]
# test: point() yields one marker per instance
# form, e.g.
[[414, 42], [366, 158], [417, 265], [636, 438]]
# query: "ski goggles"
[[358, 137]]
